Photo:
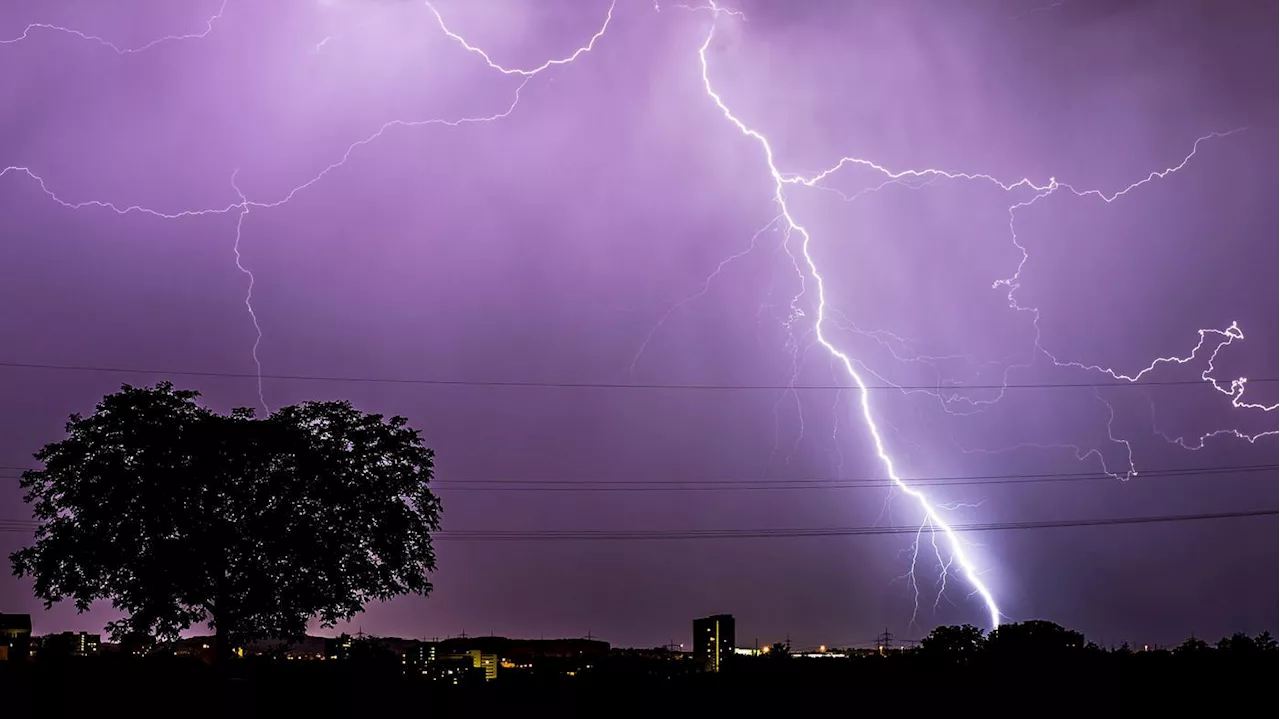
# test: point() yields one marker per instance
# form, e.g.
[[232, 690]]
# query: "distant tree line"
[[1030, 645], [966, 643]]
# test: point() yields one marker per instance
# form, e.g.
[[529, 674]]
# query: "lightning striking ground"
[[915, 179], [931, 511]]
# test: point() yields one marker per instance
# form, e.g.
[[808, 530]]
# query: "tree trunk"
[[223, 688], [223, 645]]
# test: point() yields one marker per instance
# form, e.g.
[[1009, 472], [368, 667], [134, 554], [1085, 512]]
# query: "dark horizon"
[[481, 640], [574, 279]]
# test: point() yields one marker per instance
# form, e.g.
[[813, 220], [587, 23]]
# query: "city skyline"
[[551, 238]]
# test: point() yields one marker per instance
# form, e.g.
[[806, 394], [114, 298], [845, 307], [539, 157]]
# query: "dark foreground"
[[323, 689]]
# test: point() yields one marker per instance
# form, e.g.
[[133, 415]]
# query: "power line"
[[747, 484], [501, 535], [664, 485], [596, 385], [13, 525]]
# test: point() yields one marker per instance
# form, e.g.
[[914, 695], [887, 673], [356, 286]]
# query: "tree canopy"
[[178, 515], [960, 643], [1035, 636]]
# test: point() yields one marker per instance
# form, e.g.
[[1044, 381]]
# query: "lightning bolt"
[[1039, 191], [248, 295], [807, 269], [208, 28], [526, 74], [916, 179], [519, 71], [931, 511], [1234, 389], [112, 206], [704, 289], [244, 203]]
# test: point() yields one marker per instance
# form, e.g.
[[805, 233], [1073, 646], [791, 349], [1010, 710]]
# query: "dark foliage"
[[960, 643], [1039, 640], [177, 515], [1033, 638], [779, 650]]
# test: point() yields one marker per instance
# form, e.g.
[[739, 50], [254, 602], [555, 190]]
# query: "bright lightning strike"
[[913, 179], [931, 511], [916, 179]]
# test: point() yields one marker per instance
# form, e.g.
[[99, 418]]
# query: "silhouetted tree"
[[135, 643], [177, 515], [779, 650], [1238, 645], [1265, 642], [1033, 638], [1192, 647], [372, 650], [957, 643]]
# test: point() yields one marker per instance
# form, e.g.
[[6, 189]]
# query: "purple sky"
[[549, 244]]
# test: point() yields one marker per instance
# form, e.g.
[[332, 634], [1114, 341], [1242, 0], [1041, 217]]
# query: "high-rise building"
[[75, 644], [418, 657], [479, 660], [337, 648], [87, 644], [713, 640], [419, 653]]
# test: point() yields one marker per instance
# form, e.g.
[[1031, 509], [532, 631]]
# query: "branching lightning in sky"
[[952, 553], [243, 204], [704, 289], [520, 71], [915, 179], [119, 50]]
